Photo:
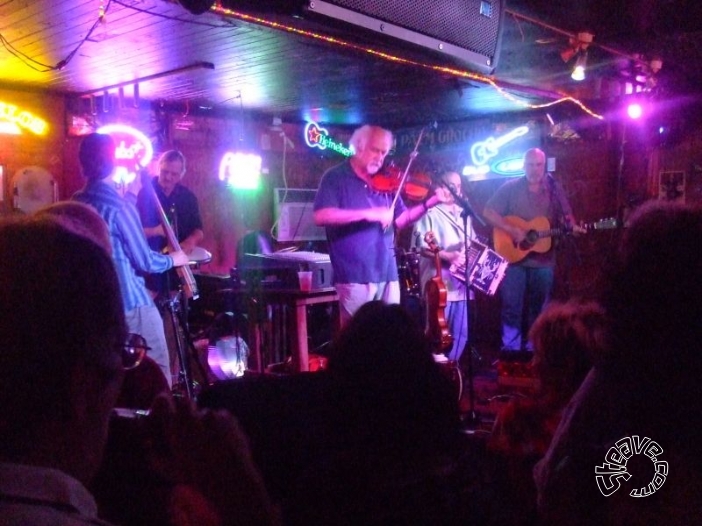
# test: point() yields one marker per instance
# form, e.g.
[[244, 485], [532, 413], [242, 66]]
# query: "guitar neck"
[[551, 232]]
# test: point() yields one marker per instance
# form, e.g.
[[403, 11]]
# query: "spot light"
[[580, 64], [577, 48], [634, 110]]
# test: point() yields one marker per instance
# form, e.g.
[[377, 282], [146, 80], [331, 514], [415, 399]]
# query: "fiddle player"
[[446, 223], [529, 280], [181, 207], [360, 223]]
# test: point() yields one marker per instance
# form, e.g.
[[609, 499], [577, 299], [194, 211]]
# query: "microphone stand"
[[472, 419]]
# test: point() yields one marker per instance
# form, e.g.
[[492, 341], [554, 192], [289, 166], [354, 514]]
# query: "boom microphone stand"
[[472, 420]]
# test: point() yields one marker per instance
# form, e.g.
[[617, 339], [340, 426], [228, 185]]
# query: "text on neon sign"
[[23, 118], [318, 137]]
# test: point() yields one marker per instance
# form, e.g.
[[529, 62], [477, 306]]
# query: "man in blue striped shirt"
[[130, 252]]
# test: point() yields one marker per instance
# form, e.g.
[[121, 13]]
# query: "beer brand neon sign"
[[133, 151], [21, 119], [318, 137]]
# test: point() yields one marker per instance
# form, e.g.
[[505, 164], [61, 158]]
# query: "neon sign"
[[481, 152], [240, 170], [133, 152], [318, 137], [509, 167], [23, 119]]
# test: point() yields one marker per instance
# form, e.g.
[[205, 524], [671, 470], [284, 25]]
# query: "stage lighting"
[[634, 110]]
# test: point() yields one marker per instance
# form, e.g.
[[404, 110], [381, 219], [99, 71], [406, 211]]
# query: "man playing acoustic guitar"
[[518, 208]]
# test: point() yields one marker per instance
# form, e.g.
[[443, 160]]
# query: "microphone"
[[463, 203], [460, 201]]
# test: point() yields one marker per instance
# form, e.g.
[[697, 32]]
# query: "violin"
[[436, 297], [416, 187]]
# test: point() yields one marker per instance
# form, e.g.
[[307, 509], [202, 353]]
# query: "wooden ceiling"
[[215, 62]]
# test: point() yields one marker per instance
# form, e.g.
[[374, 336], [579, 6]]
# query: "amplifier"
[[279, 269]]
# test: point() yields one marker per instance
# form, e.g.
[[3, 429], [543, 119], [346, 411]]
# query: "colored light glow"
[[318, 137], [509, 167], [133, 153], [482, 151], [578, 73], [471, 170], [23, 119], [394, 58], [9, 128], [634, 111], [241, 170]]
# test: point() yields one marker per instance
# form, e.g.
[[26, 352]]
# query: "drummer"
[[445, 221], [181, 207]]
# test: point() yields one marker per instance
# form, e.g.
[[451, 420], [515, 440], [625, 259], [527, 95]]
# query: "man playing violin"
[[446, 223], [530, 279], [360, 223]]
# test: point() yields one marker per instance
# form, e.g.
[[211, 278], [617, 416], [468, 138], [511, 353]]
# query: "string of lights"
[[395, 58]]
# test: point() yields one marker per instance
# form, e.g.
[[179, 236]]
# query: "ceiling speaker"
[[469, 30]]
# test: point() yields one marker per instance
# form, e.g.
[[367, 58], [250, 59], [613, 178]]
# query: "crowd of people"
[[612, 418]]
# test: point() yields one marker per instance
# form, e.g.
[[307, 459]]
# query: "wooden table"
[[298, 301], [295, 302]]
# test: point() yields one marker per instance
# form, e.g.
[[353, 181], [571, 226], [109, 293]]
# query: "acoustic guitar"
[[538, 237]]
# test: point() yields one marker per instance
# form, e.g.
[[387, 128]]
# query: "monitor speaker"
[[469, 30]]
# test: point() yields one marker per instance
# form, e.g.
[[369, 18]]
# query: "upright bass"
[[185, 274], [436, 296]]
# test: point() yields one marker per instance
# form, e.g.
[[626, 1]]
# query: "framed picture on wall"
[[671, 186]]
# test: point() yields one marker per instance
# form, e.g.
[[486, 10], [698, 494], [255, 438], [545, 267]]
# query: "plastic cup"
[[305, 277]]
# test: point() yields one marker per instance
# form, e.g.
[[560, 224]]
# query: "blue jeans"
[[457, 321], [523, 284]]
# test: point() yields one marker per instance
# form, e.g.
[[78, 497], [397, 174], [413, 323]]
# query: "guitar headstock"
[[430, 239]]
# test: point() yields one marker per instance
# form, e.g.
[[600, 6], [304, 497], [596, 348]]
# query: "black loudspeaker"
[[469, 30], [197, 7]]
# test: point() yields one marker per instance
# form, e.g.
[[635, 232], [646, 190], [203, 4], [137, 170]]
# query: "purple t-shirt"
[[360, 252], [513, 198]]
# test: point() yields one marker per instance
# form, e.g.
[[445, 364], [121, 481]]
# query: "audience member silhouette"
[[398, 424], [143, 383], [644, 390], [565, 338], [61, 370]]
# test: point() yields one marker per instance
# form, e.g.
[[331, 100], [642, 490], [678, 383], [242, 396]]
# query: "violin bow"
[[412, 157]]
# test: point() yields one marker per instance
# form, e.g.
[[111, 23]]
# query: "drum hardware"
[[177, 309], [408, 272], [199, 256]]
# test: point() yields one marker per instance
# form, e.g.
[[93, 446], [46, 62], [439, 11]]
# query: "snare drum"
[[199, 256]]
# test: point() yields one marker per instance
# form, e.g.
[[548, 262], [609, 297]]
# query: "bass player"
[[528, 282]]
